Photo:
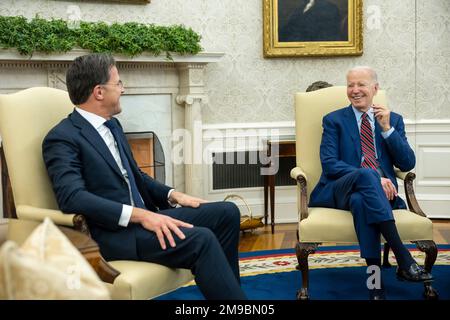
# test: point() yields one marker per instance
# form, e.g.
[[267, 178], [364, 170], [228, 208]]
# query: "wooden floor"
[[285, 236]]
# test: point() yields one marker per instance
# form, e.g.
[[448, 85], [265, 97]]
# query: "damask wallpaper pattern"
[[406, 41], [433, 59]]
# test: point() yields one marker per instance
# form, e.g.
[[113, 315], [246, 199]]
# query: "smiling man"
[[360, 146], [131, 215]]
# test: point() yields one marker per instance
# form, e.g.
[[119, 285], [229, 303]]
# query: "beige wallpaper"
[[407, 41], [433, 59]]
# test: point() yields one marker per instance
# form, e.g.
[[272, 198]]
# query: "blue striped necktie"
[[367, 144], [112, 125]]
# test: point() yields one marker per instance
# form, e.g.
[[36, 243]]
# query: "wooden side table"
[[286, 148], [19, 230]]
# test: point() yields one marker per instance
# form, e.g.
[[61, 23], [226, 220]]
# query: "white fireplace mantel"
[[182, 78], [202, 57]]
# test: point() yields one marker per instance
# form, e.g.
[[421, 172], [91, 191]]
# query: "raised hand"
[[382, 114]]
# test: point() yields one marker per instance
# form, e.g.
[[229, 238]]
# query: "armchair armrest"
[[408, 178], [298, 174], [38, 214], [77, 221], [401, 174]]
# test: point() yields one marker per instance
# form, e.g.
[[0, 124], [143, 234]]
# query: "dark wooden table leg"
[[9, 208], [272, 201], [266, 190]]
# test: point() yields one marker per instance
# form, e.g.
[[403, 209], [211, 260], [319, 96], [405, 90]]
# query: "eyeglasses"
[[119, 84]]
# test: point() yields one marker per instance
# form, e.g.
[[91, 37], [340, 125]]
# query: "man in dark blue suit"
[[131, 215], [360, 146]]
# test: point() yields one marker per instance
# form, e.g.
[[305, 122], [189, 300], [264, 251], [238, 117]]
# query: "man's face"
[[361, 89], [113, 89]]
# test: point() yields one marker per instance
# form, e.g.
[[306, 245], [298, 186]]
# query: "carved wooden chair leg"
[[430, 249], [386, 263], [303, 250]]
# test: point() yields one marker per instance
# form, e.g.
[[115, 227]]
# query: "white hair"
[[371, 71]]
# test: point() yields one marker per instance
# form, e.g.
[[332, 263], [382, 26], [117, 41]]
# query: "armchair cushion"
[[143, 280], [332, 225]]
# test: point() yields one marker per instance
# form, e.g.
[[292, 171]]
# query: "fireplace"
[[177, 87], [148, 153]]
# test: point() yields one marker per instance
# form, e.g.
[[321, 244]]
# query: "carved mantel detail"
[[191, 98], [57, 79]]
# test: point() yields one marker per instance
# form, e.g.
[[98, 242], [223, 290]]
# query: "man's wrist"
[[138, 215], [386, 134], [170, 198]]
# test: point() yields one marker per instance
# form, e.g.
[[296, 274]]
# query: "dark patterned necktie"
[[111, 124], [367, 144]]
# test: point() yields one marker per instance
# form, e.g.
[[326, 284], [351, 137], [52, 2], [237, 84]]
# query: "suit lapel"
[[353, 129], [92, 136]]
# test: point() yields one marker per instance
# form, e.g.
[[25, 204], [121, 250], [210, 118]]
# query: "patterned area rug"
[[260, 262], [335, 273]]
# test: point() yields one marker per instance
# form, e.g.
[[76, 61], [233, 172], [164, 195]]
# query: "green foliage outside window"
[[130, 39]]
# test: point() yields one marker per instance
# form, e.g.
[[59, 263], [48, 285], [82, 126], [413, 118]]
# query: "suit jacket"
[[340, 153], [87, 180]]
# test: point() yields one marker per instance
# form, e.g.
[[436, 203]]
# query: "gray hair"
[[371, 71]]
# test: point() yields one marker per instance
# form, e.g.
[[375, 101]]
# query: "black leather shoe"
[[415, 273]]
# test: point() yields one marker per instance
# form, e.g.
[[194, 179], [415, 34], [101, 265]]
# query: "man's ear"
[[377, 86], [97, 92]]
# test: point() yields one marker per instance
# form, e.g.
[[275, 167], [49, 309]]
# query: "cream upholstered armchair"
[[25, 119], [322, 225]]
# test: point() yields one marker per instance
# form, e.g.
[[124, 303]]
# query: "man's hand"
[[382, 114], [389, 188], [185, 200], [160, 224]]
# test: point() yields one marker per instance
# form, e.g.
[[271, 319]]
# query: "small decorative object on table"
[[248, 221]]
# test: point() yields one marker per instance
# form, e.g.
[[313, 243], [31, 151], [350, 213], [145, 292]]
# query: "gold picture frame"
[[294, 28], [132, 1], [124, 1]]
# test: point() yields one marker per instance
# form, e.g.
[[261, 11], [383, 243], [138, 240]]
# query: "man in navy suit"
[[360, 146], [131, 215]]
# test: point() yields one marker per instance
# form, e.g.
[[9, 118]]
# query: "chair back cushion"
[[25, 118], [310, 108]]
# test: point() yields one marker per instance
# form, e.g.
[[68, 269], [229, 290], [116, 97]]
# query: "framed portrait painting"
[[129, 1], [312, 28], [132, 1]]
